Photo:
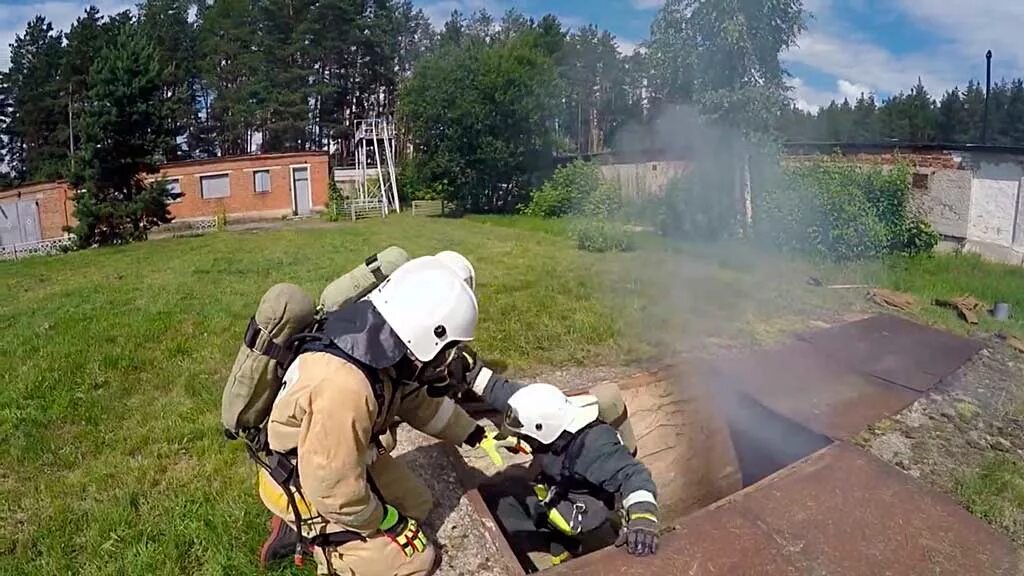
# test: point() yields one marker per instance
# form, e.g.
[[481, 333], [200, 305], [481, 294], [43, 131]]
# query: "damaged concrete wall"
[[945, 201], [994, 229]]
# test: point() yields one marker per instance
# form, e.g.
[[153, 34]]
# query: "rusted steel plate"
[[799, 383], [895, 350], [843, 511], [839, 512]]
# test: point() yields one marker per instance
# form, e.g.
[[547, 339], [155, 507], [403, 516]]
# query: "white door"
[[19, 222], [301, 192]]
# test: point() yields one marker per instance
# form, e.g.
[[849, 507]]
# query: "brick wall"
[[243, 200], [52, 199], [930, 159]]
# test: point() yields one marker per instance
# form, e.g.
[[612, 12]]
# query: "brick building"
[[250, 187]]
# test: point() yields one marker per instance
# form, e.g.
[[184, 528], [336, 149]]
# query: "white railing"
[[360, 208], [38, 248]]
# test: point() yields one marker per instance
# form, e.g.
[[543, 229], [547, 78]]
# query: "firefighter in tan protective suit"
[[377, 362]]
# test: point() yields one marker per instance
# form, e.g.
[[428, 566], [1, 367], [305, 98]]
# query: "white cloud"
[[647, 4], [962, 29], [61, 14], [850, 90], [438, 12], [627, 47], [971, 28]]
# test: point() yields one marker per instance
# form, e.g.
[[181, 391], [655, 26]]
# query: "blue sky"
[[851, 46]]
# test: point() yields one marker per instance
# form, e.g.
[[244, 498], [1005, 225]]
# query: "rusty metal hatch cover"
[[895, 350], [800, 383], [840, 511]]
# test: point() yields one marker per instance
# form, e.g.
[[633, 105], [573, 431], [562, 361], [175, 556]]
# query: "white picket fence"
[[38, 248]]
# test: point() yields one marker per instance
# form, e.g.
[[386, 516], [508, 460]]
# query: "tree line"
[[236, 76], [958, 117]]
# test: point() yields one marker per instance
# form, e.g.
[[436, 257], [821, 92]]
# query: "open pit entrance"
[[753, 472]]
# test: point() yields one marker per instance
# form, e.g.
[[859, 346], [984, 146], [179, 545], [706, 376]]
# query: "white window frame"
[[270, 182], [199, 178], [291, 185], [181, 195]]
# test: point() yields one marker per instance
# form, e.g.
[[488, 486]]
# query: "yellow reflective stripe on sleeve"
[[563, 557], [643, 516]]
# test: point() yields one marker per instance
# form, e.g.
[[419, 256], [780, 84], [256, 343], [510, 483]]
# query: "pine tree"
[[865, 119], [229, 66], [124, 131], [166, 23], [951, 117], [974, 113], [36, 131], [1014, 118], [920, 111]]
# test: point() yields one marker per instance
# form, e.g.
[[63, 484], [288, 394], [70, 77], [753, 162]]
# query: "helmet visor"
[[512, 421]]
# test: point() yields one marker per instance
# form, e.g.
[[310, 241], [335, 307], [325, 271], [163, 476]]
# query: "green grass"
[[995, 492], [946, 276], [113, 461]]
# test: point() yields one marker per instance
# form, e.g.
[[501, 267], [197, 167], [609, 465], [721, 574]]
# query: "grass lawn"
[[113, 461]]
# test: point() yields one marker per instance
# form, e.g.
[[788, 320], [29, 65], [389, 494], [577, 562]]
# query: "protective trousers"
[[377, 555], [519, 510]]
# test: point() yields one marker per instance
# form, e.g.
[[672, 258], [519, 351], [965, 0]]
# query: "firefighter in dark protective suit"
[[589, 482]]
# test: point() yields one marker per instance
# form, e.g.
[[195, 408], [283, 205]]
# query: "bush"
[[575, 189], [602, 236], [841, 211], [696, 206], [335, 201]]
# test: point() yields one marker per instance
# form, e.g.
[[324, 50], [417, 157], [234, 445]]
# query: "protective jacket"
[[589, 467], [340, 398]]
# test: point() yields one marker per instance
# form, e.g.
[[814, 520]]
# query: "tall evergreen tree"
[[974, 113], [1014, 116], [865, 119], [36, 132], [951, 116], [125, 128], [229, 65], [175, 38]]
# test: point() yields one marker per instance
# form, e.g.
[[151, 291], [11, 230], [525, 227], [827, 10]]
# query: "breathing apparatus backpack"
[[267, 350]]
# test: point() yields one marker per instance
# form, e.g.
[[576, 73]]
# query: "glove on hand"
[[640, 535], [492, 441], [404, 532]]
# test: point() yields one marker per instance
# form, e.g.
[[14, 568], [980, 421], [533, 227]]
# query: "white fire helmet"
[[461, 265], [428, 305], [543, 412]]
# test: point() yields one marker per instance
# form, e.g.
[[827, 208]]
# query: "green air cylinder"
[[362, 279]]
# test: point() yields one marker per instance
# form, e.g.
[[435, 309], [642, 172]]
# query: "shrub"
[[841, 211], [697, 206], [602, 236], [335, 201], [575, 189]]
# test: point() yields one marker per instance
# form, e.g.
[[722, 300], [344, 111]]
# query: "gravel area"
[[968, 418]]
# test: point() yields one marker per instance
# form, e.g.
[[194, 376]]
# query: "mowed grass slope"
[[112, 460]]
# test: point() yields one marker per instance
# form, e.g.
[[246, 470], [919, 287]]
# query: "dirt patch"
[[970, 419]]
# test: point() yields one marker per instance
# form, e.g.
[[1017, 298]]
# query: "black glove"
[[463, 369], [640, 535]]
